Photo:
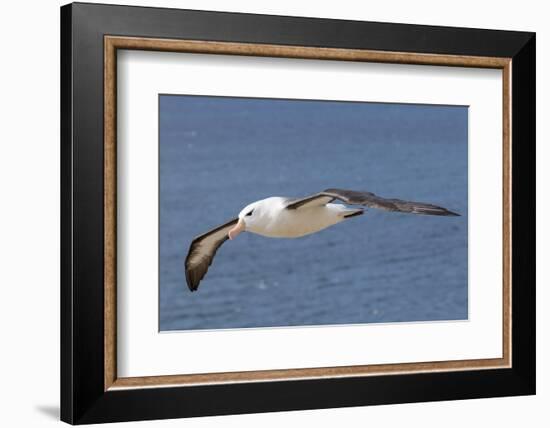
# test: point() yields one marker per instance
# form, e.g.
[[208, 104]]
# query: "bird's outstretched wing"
[[368, 199], [202, 251]]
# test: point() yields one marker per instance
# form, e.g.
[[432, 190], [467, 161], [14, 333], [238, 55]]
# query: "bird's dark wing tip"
[[447, 212], [190, 279]]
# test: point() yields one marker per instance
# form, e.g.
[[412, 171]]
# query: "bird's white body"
[[272, 219]]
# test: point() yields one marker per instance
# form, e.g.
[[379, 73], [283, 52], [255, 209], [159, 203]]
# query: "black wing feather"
[[202, 251], [369, 199]]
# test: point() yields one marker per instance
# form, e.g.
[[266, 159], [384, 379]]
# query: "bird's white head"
[[257, 216], [248, 219]]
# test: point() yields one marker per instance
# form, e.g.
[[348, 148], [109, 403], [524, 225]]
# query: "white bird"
[[280, 217]]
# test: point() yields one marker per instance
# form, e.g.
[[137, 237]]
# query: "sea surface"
[[219, 154]]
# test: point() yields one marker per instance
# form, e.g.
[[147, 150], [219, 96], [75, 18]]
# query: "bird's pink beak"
[[239, 227]]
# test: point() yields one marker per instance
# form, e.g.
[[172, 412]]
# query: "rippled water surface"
[[219, 154]]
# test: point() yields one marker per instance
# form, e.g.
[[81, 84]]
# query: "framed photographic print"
[[265, 213]]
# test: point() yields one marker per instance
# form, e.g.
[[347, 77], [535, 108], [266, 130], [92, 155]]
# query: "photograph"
[[330, 212]]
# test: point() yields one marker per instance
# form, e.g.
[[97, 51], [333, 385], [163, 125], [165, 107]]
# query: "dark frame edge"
[[524, 214], [66, 304]]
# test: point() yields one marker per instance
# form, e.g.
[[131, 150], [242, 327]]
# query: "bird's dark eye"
[[250, 213]]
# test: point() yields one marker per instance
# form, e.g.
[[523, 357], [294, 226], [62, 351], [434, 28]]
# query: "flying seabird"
[[280, 217]]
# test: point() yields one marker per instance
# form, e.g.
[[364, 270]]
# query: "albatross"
[[280, 217]]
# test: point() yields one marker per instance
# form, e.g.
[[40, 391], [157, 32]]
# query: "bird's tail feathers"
[[352, 212]]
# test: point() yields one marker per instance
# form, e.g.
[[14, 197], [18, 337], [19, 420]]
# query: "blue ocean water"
[[219, 154]]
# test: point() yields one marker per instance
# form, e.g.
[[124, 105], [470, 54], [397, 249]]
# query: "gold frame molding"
[[113, 43]]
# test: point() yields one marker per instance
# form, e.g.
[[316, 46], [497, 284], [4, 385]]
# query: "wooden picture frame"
[[91, 390]]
